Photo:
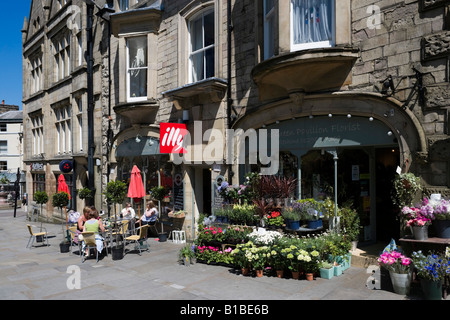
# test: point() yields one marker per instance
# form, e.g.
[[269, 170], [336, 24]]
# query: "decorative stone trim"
[[436, 45]]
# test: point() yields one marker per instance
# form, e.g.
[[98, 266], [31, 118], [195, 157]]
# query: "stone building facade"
[[359, 86]]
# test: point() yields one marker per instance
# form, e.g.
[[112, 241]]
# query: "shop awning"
[[144, 146]]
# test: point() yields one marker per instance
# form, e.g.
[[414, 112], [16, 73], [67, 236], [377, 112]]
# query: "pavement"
[[44, 273]]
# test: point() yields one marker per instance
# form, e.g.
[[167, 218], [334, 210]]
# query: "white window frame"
[[203, 49], [79, 116], [63, 117], [313, 45], [130, 69], [37, 132], [62, 56]]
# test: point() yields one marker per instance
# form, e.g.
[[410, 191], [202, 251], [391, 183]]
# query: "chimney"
[[3, 101]]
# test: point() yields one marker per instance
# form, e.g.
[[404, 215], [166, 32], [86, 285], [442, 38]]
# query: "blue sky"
[[11, 22]]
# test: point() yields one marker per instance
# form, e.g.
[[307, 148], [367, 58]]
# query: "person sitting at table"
[[150, 215], [83, 218], [128, 211], [94, 225]]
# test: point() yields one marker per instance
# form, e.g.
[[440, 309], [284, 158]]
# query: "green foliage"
[[115, 192], [41, 197], [158, 193], [350, 223], [84, 193], [406, 185], [60, 199]]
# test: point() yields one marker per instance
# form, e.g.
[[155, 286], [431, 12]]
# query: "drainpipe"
[[229, 99], [90, 86]]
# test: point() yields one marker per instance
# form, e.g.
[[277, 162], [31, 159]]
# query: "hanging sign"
[[65, 166]]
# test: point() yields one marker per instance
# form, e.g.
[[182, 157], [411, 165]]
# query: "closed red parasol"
[[136, 188], [62, 185]]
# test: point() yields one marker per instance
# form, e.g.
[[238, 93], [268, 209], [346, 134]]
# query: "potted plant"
[[400, 269], [115, 193], [350, 225], [84, 193], [60, 200], [41, 197], [431, 270], [310, 210], [292, 216], [326, 270], [406, 186], [187, 254], [274, 219]]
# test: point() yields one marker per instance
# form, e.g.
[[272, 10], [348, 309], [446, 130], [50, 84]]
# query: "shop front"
[[345, 148]]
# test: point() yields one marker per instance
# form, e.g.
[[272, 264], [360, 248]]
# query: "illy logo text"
[[172, 137]]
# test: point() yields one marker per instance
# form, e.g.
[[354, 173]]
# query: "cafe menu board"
[[178, 193]]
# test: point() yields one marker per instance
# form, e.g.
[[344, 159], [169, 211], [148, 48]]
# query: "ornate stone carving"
[[436, 45]]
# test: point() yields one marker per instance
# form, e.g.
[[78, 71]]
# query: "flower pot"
[[64, 247], [401, 282], [117, 253], [420, 233], [315, 224], [326, 273], [295, 275], [162, 237], [187, 261], [310, 276], [259, 273], [294, 225], [280, 273], [442, 228], [432, 290], [245, 271], [337, 270]]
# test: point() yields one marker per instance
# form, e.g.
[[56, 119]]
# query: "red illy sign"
[[172, 137]]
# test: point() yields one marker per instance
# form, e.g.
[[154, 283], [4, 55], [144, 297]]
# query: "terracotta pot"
[[280, 273], [310, 276], [295, 275], [259, 273], [245, 271]]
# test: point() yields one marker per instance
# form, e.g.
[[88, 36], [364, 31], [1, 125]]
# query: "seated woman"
[[94, 225], [151, 214]]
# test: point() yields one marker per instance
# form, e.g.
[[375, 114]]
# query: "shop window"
[[38, 182], [137, 68], [312, 24], [202, 46]]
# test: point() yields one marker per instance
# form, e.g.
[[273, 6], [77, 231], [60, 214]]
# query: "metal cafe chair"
[[138, 238], [34, 235]]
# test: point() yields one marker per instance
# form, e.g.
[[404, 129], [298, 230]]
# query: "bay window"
[[137, 65], [202, 46]]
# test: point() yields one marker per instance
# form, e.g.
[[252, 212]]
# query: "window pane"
[[209, 57], [138, 83], [137, 52], [209, 29], [196, 35], [312, 20], [197, 66]]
